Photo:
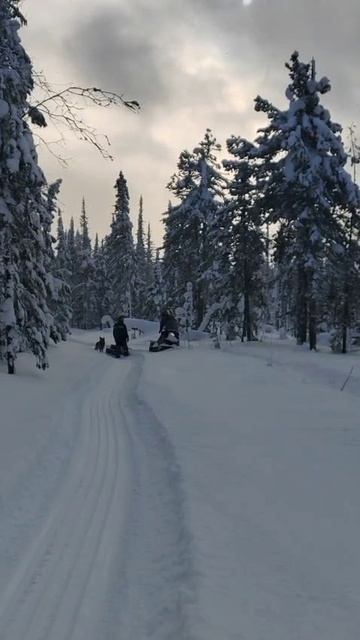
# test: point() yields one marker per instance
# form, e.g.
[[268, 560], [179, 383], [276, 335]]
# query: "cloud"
[[109, 48], [268, 31], [158, 52]]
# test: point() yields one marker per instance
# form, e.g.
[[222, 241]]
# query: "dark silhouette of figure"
[[121, 337]]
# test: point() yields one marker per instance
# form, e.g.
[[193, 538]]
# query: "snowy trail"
[[160, 564], [195, 494], [111, 558]]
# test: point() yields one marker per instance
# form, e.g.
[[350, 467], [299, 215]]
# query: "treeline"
[[117, 275]]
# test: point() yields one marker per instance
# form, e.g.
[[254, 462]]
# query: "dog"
[[100, 345]]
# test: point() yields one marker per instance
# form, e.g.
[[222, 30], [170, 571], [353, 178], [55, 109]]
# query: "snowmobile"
[[166, 340]]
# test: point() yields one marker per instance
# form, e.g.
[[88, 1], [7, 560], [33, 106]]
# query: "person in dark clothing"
[[121, 337], [168, 324]]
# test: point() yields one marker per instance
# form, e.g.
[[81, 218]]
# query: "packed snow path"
[[110, 557]]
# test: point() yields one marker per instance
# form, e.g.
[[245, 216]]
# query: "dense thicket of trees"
[[292, 179], [115, 276]]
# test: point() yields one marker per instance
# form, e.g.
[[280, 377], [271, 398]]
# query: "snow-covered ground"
[[195, 494]]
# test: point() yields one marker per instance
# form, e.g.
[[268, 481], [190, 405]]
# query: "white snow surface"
[[193, 494]]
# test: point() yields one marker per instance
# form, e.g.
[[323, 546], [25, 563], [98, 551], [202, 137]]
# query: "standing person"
[[121, 337], [168, 324]]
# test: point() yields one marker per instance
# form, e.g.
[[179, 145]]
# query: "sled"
[[115, 352]]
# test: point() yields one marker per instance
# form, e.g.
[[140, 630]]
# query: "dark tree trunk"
[[199, 304], [301, 306], [344, 340], [312, 310], [247, 332], [10, 364], [346, 305], [9, 293], [312, 325], [247, 329], [9, 352], [345, 321]]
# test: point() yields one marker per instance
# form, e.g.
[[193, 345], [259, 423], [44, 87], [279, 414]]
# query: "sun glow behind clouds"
[[247, 2]]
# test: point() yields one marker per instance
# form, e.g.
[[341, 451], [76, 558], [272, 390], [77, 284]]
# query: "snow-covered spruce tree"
[[174, 261], [284, 280], [140, 280], [189, 306], [341, 284], [244, 219], [58, 288], [70, 244], [149, 259], [76, 282], [62, 276], [307, 187], [49, 260], [103, 293], [343, 269], [156, 298], [73, 253], [24, 315], [120, 252], [96, 244], [199, 185], [84, 291]]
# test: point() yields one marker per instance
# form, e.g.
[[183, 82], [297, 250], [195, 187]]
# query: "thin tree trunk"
[[345, 321], [199, 303], [312, 311], [9, 294], [10, 364], [346, 306], [312, 325], [301, 306], [247, 320], [247, 329], [344, 340]]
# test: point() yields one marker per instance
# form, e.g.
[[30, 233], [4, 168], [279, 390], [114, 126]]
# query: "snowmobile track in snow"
[[160, 563], [112, 559]]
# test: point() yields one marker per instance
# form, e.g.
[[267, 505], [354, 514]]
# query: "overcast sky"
[[192, 64]]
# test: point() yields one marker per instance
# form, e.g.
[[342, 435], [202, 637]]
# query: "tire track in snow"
[[45, 598], [159, 591], [113, 557], [37, 555]]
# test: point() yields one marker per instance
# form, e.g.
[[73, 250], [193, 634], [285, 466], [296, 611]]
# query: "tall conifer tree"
[[84, 296], [305, 186], [199, 185], [120, 251], [103, 293], [62, 277], [244, 232], [25, 319], [140, 283]]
